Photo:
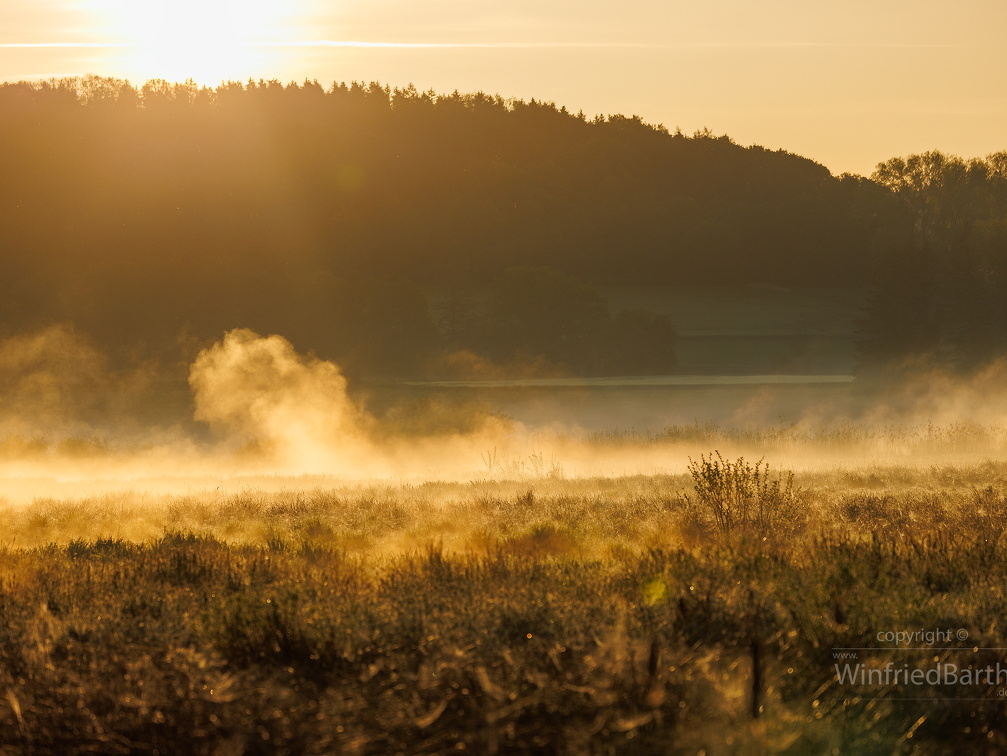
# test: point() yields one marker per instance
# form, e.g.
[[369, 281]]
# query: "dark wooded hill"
[[146, 215]]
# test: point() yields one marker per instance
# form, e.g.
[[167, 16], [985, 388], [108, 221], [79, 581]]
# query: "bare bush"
[[741, 496]]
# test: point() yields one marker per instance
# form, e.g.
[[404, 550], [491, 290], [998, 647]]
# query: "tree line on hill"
[[391, 228], [940, 294]]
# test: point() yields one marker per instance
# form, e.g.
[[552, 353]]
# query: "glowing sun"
[[206, 40]]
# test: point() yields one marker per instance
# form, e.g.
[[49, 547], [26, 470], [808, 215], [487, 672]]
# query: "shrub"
[[742, 496]]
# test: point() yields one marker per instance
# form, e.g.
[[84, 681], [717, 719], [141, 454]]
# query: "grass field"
[[720, 610]]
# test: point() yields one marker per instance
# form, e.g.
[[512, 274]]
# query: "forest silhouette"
[[393, 230]]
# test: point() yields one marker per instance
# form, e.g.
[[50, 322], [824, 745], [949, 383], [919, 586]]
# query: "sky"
[[847, 83]]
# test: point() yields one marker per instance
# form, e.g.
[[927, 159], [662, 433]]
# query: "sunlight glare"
[[205, 40]]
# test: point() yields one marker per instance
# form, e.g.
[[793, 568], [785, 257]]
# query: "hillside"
[[154, 219]]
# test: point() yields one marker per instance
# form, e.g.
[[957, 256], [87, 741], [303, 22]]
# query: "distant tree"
[[901, 319], [381, 327], [537, 311], [458, 317], [534, 313], [642, 343], [941, 294], [943, 193]]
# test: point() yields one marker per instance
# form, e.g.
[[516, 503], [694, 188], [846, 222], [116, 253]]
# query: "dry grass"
[[588, 616]]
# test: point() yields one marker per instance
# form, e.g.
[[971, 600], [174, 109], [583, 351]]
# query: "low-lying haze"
[[262, 414]]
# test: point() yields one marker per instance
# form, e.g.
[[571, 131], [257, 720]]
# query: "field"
[[755, 329], [722, 608]]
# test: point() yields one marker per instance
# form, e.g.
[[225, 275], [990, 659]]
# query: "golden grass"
[[602, 615]]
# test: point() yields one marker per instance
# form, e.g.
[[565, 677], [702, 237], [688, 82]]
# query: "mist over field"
[[255, 409]]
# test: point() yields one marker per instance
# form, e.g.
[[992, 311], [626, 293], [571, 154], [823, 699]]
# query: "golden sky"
[[846, 82]]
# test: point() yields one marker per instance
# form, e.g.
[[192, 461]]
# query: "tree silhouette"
[[941, 293]]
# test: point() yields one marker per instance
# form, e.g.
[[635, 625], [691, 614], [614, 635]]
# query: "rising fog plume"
[[291, 408], [289, 413]]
